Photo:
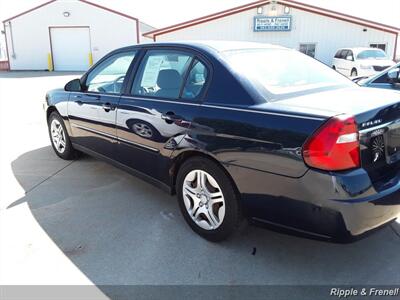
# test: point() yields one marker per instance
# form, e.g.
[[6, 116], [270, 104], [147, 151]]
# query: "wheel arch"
[[53, 108], [50, 110], [182, 157]]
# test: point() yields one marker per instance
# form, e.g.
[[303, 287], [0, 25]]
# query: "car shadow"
[[31, 74], [119, 230]]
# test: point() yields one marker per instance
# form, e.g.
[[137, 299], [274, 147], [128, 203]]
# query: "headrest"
[[169, 79]]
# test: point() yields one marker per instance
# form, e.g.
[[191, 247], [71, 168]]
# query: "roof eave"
[[291, 3]]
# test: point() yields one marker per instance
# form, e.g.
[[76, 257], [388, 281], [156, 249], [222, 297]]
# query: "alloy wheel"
[[203, 199], [58, 136], [143, 130]]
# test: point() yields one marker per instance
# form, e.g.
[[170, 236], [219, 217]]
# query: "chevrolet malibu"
[[239, 130]]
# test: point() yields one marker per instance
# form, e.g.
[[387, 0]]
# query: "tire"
[[334, 68], [354, 73], [212, 219], [64, 149]]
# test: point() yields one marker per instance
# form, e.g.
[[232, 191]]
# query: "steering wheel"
[[115, 82], [144, 90]]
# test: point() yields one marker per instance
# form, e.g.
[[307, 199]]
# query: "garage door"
[[70, 48]]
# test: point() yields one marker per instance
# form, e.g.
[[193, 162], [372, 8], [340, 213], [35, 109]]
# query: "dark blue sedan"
[[239, 130]]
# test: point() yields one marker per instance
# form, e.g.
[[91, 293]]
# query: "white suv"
[[360, 61]]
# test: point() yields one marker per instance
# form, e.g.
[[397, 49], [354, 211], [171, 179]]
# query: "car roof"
[[214, 46]]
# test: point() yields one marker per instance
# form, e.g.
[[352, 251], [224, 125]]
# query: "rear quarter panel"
[[266, 142]]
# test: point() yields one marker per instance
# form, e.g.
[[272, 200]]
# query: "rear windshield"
[[372, 54], [277, 73]]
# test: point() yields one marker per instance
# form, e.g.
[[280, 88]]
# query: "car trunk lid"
[[377, 114]]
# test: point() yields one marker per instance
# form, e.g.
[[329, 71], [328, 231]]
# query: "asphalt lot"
[[86, 222]]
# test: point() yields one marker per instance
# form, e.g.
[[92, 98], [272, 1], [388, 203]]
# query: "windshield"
[[372, 54], [277, 73]]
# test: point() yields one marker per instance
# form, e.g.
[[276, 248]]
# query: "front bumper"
[[328, 204], [366, 72]]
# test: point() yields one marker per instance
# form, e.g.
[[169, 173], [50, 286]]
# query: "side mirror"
[[73, 86], [349, 57], [394, 75]]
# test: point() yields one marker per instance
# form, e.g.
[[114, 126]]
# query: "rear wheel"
[[59, 137], [207, 199]]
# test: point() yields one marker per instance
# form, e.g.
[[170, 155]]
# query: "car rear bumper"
[[322, 203]]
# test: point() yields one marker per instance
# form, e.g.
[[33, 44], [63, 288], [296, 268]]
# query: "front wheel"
[[207, 199], [354, 73], [59, 137]]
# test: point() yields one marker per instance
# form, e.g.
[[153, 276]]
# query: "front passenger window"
[[110, 74]]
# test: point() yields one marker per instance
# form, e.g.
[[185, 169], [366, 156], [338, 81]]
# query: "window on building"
[[379, 46], [110, 74], [308, 49], [162, 74]]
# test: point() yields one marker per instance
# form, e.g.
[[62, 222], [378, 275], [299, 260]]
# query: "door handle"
[[170, 117], [107, 107], [78, 99]]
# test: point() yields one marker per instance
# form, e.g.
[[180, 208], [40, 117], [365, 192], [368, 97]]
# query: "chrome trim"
[[115, 137], [227, 108], [94, 131], [367, 130]]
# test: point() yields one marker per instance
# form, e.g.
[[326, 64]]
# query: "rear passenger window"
[[195, 81], [161, 74]]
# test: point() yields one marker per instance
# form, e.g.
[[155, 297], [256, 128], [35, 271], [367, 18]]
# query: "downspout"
[[13, 55], [5, 36]]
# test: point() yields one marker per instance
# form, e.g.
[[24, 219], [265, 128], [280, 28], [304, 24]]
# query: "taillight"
[[334, 146]]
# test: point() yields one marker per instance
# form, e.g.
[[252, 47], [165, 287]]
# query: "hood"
[[377, 62]]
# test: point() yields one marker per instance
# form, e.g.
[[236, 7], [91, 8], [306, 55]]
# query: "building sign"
[[262, 23]]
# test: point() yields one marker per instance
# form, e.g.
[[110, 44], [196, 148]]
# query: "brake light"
[[334, 146]]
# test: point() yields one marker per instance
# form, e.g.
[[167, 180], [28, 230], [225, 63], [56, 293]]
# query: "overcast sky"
[[160, 13]]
